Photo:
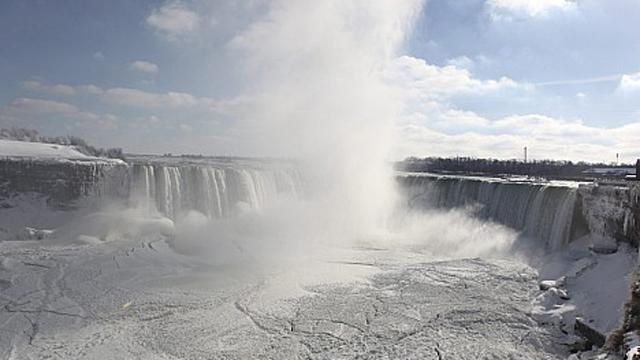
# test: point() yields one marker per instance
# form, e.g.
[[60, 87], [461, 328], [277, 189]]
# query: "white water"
[[215, 191], [541, 211]]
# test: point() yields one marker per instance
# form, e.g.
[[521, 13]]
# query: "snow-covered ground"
[[579, 283], [595, 285], [112, 285], [142, 300], [11, 148], [116, 283]]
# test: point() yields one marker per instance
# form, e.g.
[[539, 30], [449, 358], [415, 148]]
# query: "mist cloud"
[[317, 93]]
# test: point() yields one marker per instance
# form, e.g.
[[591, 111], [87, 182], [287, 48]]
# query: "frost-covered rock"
[[62, 181], [548, 284], [632, 344], [608, 211], [603, 244], [551, 307], [29, 233]]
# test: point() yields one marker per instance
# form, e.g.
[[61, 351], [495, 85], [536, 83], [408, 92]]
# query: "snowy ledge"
[[40, 152]]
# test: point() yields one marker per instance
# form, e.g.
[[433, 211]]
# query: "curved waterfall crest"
[[539, 210], [215, 191]]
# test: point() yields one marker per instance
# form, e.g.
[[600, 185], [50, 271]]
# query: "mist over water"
[[316, 94]]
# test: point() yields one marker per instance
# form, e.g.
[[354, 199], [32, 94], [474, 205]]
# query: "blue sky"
[[478, 77]]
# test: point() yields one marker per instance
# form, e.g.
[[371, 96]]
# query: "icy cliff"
[[556, 212]]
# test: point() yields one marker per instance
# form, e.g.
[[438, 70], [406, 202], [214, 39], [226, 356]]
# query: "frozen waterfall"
[[214, 190], [540, 210]]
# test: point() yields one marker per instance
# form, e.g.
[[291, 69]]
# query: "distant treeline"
[[536, 168], [31, 135]]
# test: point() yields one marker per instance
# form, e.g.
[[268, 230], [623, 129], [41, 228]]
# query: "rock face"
[[62, 181], [214, 187], [611, 212], [634, 220], [593, 335]]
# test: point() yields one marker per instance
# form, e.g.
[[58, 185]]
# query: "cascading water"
[[541, 211], [215, 191]]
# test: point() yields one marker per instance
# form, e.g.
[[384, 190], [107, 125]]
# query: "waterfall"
[[214, 190], [539, 210]]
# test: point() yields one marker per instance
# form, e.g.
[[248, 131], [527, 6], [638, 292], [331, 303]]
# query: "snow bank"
[[578, 282], [11, 148]]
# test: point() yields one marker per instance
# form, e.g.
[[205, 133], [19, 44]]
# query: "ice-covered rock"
[[62, 181], [548, 284], [551, 307], [632, 346], [603, 244], [29, 233], [608, 211]]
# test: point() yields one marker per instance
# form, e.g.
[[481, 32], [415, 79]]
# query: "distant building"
[[618, 172], [635, 176]]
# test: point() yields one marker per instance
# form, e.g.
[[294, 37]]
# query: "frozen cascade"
[[540, 211], [214, 191]]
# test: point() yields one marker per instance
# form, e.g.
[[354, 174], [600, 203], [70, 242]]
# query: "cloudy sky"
[[476, 77]]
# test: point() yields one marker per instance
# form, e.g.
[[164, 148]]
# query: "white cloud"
[[582, 81], [173, 20], [463, 133], [462, 119], [544, 126], [28, 109], [61, 89], [98, 55], [630, 82], [426, 81], [152, 119], [508, 9], [29, 105], [143, 99], [185, 128], [132, 97], [462, 62], [433, 127], [144, 66], [89, 89], [58, 89]]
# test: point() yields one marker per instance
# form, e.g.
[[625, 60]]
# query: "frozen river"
[[142, 300]]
